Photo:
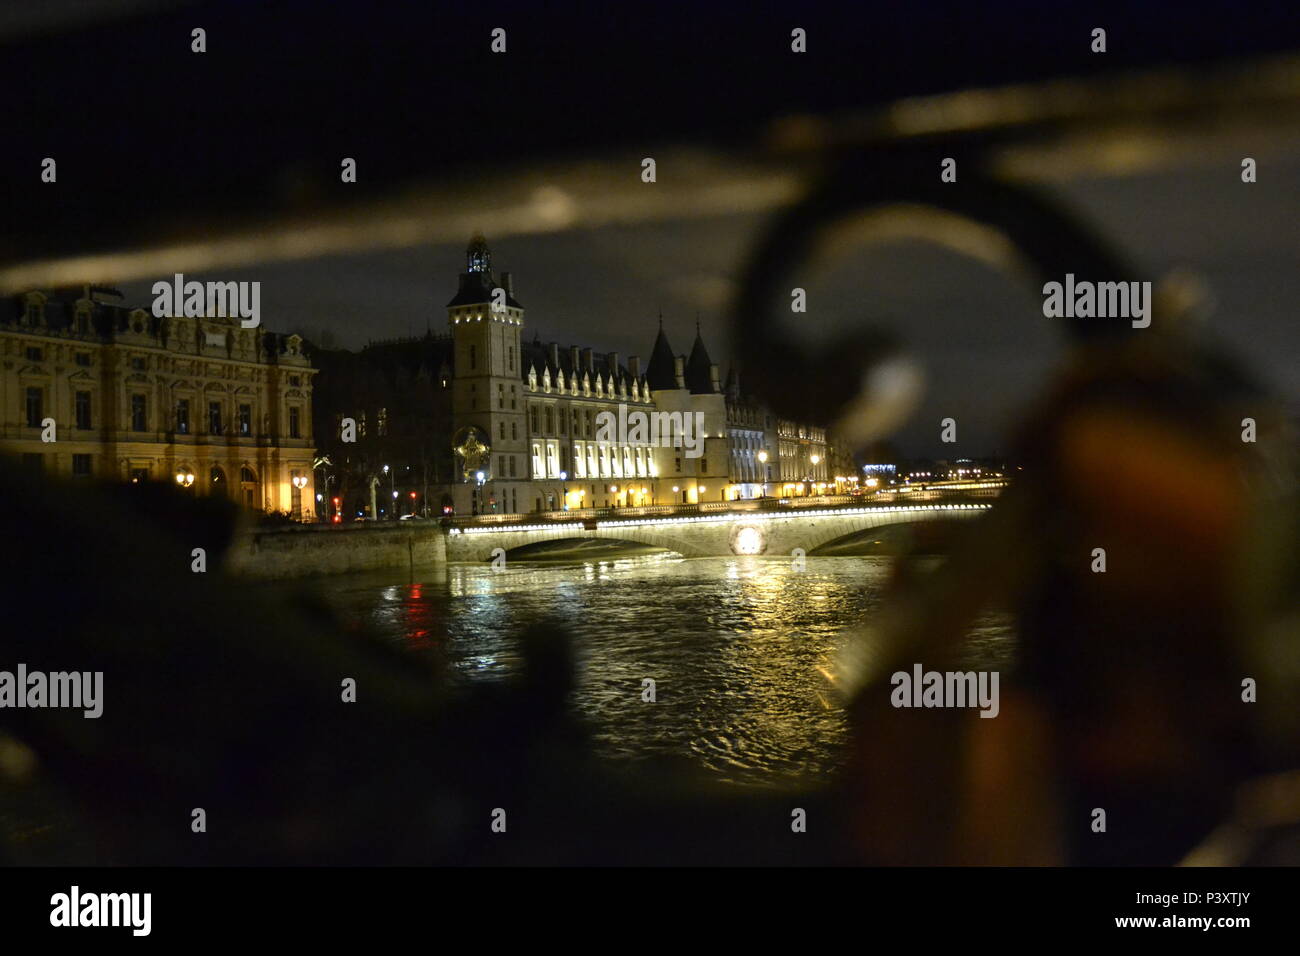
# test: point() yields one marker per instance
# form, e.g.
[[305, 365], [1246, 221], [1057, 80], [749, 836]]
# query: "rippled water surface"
[[738, 648]]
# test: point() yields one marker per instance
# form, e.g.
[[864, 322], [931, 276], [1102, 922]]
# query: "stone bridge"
[[709, 535]]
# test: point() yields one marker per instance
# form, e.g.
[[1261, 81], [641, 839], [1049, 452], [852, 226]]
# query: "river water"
[[739, 648]]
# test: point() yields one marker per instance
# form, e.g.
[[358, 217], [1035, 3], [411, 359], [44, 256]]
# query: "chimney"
[[586, 360], [553, 351], [613, 362], [634, 367], [679, 370], [508, 283], [714, 384], [573, 357]]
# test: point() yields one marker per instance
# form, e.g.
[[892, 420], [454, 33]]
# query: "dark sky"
[[154, 138], [980, 335]]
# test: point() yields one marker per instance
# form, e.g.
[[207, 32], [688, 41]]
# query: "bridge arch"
[[721, 535]]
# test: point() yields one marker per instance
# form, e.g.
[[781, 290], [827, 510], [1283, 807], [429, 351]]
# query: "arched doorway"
[[248, 487]]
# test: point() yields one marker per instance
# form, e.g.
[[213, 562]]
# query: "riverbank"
[[299, 551]]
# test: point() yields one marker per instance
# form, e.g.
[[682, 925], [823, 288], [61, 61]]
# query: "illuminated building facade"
[[538, 408], [90, 388]]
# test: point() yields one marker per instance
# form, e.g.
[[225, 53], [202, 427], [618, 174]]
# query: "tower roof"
[[699, 367], [661, 371], [477, 281]]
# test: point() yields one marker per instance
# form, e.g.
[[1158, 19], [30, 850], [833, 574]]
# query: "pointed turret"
[[661, 370], [701, 373]]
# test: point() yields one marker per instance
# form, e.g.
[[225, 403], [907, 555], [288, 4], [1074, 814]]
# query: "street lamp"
[[299, 483], [564, 491], [762, 461], [185, 478], [392, 485]]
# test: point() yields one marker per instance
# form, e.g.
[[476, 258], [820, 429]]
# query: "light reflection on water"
[[737, 647]]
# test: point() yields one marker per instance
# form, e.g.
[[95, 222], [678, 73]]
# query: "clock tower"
[[486, 322]]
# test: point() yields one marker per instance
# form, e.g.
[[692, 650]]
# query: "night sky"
[[981, 336], [174, 138]]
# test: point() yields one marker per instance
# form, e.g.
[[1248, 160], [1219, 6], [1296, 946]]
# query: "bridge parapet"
[[956, 492], [771, 532]]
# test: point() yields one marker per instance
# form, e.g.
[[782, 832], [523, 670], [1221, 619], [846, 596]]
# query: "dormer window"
[[34, 314]]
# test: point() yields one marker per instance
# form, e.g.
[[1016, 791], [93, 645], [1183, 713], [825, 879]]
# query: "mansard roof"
[[537, 355]]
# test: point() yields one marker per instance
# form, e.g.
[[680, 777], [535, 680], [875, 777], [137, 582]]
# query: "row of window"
[[140, 414], [603, 461], [138, 363], [547, 420], [510, 358], [37, 354], [501, 396], [381, 423], [790, 430], [603, 388], [35, 317], [82, 465]]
